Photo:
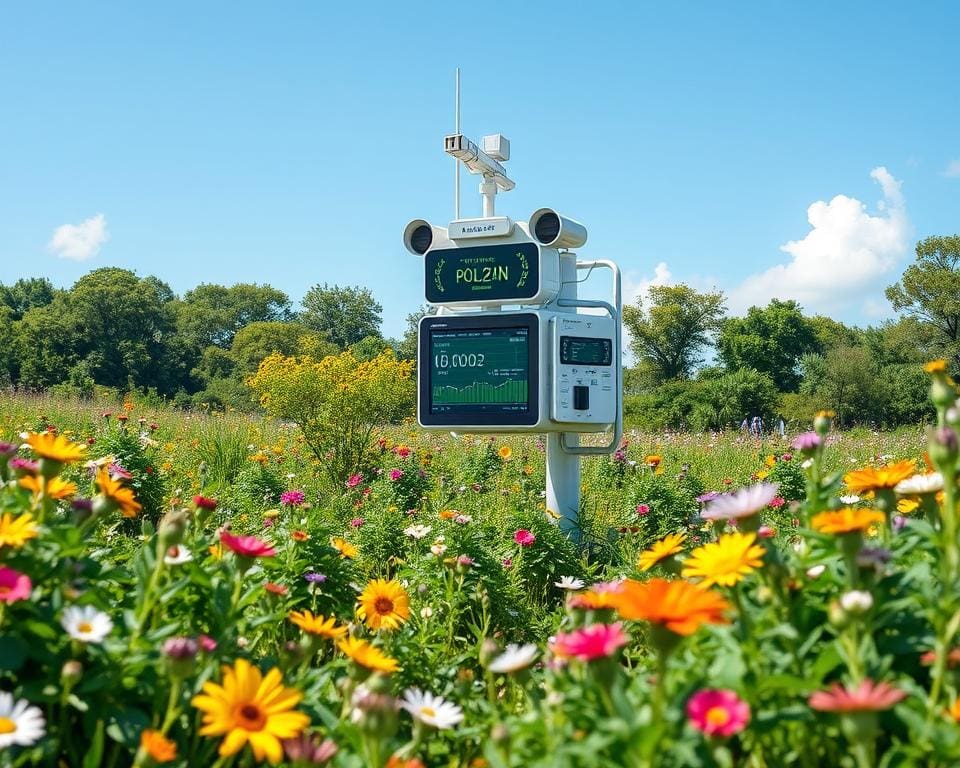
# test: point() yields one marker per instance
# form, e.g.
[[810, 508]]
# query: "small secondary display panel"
[[479, 371], [580, 350], [483, 273]]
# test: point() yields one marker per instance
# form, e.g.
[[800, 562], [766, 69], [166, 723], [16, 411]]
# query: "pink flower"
[[507, 563], [292, 498], [777, 502], [202, 502], [357, 522], [807, 443], [866, 697], [246, 546], [524, 538], [718, 712], [13, 585], [354, 480], [402, 451], [597, 641], [642, 509], [766, 532], [395, 474], [207, 643]]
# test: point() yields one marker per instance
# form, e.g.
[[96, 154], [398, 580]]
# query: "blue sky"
[[290, 142]]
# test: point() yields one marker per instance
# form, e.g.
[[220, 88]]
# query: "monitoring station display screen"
[[578, 350], [480, 371]]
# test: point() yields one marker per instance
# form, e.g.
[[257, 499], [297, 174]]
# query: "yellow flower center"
[[7, 725], [250, 717], [718, 716], [428, 711], [383, 605], [85, 627]]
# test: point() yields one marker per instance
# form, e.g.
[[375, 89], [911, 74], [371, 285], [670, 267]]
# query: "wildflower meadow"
[[188, 589]]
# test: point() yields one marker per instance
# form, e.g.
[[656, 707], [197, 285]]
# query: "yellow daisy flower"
[[366, 655], [725, 562], [16, 531], [669, 545], [317, 625], [384, 604], [58, 448]]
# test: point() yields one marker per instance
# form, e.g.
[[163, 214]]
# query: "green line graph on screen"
[[479, 367]]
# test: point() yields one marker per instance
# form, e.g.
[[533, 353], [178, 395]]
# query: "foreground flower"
[[56, 448], [846, 520], [668, 546], [157, 746], [514, 658], [16, 531], [718, 712], [250, 707], [177, 555], [598, 597], [875, 479], [866, 697], [317, 625], [55, 487], [366, 655], [309, 749], [86, 624], [202, 502], [679, 606], [344, 547], [14, 585], [569, 583], [742, 503], [431, 710], [384, 604], [597, 641], [20, 724], [246, 546], [116, 494], [918, 485], [725, 562], [524, 538]]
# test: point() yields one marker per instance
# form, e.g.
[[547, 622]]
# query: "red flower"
[[524, 538], [866, 697], [594, 642], [204, 503], [275, 589], [246, 546]]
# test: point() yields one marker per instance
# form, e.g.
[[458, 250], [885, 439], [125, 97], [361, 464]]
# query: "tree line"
[[694, 366], [698, 368]]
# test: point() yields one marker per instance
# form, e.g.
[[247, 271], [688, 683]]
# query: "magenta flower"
[[292, 498], [718, 712], [866, 697], [207, 643], [597, 641], [246, 546], [357, 522], [524, 538], [354, 480], [642, 509], [395, 474], [807, 442], [14, 585]]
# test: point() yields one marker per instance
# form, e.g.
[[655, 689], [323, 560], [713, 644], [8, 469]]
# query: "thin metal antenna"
[[456, 163]]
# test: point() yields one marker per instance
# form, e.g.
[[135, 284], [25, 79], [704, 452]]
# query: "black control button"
[[581, 398]]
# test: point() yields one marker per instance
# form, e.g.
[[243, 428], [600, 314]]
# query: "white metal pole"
[[563, 469], [456, 162]]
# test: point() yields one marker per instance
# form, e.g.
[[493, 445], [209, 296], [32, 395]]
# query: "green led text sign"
[[483, 273]]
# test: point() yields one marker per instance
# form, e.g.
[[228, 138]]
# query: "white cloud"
[[842, 260], [82, 241], [952, 170], [636, 287]]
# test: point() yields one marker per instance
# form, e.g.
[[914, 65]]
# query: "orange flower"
[[598, 597], [344, 547], [56, 487], [846, 520], [158, 746], [300, 535], [679, 606], [447, 514], [935, 366], [117, 494], [874, 479]]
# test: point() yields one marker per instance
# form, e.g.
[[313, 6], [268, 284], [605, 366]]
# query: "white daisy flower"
[[742, 503], [417, 531], [816, 571], [85, 623], [438, 548], [20, 724], [850, 499], [514, 658], [177, 555], [430, 709], [920, 484], [568, 582], [856, 601]]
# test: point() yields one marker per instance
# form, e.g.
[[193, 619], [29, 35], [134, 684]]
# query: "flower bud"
[[181, 654], [822, 422], [837, 616], [172, 528], [943, 447], [856, 602], [489, 649], [71, 672]]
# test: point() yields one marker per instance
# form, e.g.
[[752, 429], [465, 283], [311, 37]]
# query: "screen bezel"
[[600, 339], [479, 322]]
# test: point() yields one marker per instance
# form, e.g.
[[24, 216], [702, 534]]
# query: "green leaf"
[[13, 651], [94, 756], [126, 725]]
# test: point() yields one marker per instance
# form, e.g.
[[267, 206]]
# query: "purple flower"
[[309, 749], [315, 578], [708, 496], [117, 472], [292, 498], [7, 449], [806, 442], [82, 505], [465, 560], [181, 648], [24, 466], [899, 523]]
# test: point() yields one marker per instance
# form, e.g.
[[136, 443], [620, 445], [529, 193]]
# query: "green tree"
[[770, 340], [25, 294], [832, 333], [728, 399], [8, 357], [212, 314], [257, 341], [845, 381], [929, 289], [345, 314], [407, 347], [670, 333]]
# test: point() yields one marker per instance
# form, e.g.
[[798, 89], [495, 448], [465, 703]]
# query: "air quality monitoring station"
[[510, 346]]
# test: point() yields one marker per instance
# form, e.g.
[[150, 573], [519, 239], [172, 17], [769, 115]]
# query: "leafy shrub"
[[788, 475], [671, 505], [133, 454]]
